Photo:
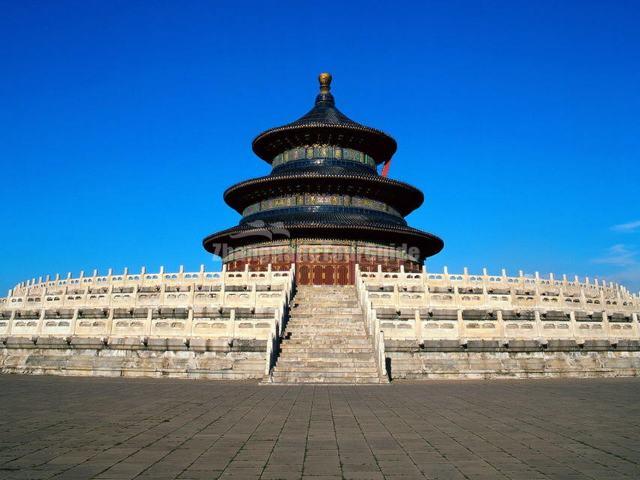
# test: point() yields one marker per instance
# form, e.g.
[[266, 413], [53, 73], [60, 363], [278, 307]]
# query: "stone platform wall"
[[244, 360], [457, 365]]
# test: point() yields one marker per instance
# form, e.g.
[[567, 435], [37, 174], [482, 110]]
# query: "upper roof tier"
[[325, 124]]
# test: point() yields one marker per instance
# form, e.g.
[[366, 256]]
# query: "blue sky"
[[121, 124]]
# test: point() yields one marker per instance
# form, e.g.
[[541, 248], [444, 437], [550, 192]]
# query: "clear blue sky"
[[121, 124]]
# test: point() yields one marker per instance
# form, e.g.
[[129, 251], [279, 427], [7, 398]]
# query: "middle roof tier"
[[401, 196]]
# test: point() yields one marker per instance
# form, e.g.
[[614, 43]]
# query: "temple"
[[324, 207]]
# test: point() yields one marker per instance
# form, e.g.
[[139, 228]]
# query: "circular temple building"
[[324, 207]]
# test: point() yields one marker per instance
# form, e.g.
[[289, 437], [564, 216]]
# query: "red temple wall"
[[326, 267]]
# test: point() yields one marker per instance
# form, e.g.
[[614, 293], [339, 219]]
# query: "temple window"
[[313, 152], [312, 199]]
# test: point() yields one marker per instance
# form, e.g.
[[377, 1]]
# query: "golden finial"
[[325, 82]]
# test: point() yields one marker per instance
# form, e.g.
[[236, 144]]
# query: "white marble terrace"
[[463, 307], [164, 304], [416, 306]]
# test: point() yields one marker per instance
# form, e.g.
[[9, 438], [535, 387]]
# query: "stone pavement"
[[62, 427]]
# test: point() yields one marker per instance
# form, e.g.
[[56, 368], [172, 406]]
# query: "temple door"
[[327, 275], [317, 275], [342, 275], [303, 275]]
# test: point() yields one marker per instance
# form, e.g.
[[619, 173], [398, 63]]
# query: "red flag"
[[385, 168]]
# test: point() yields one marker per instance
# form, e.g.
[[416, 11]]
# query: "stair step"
[[324, 302], [327, 381], [325, 298], [322, 374], [327, 377], [328, 360], [357, 356], [300, 357], [346, 333], [325, 352], [325, 325], [330, 301], [339, 313], [328, 338], [316, 367], [309, 342], [311, 299], [327, 332], [327, 287], [346, 294], [319, 317], [312, 367], [327, 335], [318, 343], [317, 321]]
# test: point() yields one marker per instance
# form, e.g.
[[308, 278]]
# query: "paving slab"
[[106, 428]]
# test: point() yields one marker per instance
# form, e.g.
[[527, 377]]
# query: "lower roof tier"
[[401, 196], [323, 213], [422, 244]]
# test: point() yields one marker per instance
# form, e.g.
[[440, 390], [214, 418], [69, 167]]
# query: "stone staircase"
[[326, 340]]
